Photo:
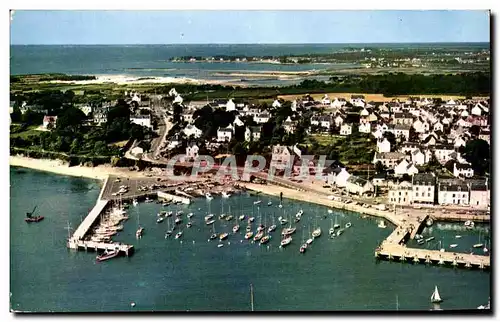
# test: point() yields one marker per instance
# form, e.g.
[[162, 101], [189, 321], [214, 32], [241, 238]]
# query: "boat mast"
[[397, 303], [251, 296]]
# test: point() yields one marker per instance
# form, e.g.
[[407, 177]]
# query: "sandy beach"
[[60, 167]]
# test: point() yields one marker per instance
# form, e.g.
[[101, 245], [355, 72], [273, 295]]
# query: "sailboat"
[[331, 231], [140, 230], [134, 202], [272, 227], [225, 194], [236, 227], [435, 298], [29, 216], [169, 232], [310, 240], [214, 235], [479, 245], [316, 232], [288, 231], [208, 196], [336, 224], [381, 224]]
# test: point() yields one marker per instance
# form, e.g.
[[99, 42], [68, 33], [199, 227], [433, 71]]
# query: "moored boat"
[[208, 196], [286, 241], [288, 231], [303, 248], [242, 217], [209, 217], [178, 235], [223, 236], [429, 239], [178, 221], [210, 222], [271, 228], [248, 235], [236, 228], [257, 202], [381, 224], [139, 232], [159, 220], [309, 241], [258, 236], [225, 194], [107, 255], [316, 233], [435, 298], [264, 239], [348, 225]]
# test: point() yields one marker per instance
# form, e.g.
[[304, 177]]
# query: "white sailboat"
[[336, 224], [435, 298]]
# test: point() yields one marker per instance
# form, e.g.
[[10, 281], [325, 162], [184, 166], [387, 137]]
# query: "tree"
[[16, 115], [379, 167], [177, 112], [475, 130], [477, 153], [70, 120], [390, 137]]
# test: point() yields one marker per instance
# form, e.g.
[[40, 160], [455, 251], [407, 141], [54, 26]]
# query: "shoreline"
[[60, 167]]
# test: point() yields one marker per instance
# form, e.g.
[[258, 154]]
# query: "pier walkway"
[[89, 221]]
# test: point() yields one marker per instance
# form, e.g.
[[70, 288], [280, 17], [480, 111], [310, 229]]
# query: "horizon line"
[[270, 43]]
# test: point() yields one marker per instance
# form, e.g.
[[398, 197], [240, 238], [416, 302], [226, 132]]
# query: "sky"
[[241, 27]]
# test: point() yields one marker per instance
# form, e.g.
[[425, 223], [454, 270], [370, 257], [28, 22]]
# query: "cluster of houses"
[[140, 111]]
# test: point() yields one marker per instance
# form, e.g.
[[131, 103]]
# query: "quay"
[[408, 224], [108, 196]]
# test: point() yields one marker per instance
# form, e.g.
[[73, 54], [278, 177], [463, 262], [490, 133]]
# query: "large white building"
[[143, 120]]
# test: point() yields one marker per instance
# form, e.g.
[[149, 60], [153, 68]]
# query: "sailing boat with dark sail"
[[29, 216]]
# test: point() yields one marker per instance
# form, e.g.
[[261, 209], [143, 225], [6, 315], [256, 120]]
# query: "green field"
[[24, 134]]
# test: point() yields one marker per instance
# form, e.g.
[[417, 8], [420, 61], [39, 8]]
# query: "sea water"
[[193, 274]]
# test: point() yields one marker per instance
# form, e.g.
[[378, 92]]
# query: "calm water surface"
[[194, 274]]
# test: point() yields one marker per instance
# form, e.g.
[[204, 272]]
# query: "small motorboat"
[[179, 213], [190, 215], [286, 241], [222, 216], [135, 202], [159, 220], [148, 200], [339, 232], [271, 228], [139, 232], [257, 202], [209, 217], [317, 232], [249, 228], [242, 217], [178, 221], [229, 217], [288, 231], [420, 241], [429, 222], [303, 248], [348, 225], [213, 236], [236, 228], [178, 235], [270, 203], [381, 224], [478, 245], [168, 234], [331, 231], [282, 220], [223, 236], [189, 224], [248, 235], [280, 206], [469, 224], [258, 236], [208, 196], [417, 236], [458, 236], [429, 239], [261, 227], [225, 194], [453, 245], [265, 240], [209, 222], [220, 245], [107, 255], [34, 219], [251, 219], [309, 241], [169, 214]]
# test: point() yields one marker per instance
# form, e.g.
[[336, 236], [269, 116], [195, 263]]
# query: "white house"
[[358, 185], [424, 188], [462, 170], [405, 167], [476, 110], [238, 122], [230, 105], [325, 100], [453, 192], [137, 151], [418, 157], [192, 130], [365, 127], [338, 102], [225, 134], [289, 125], [438, 126], [178, 99], [383, 145], [479, 194], [143, 120], [364, 112], [459, 141], [346, 129], [443, 153], [400, 193], [339, 120], [276, 104], [85, 108]]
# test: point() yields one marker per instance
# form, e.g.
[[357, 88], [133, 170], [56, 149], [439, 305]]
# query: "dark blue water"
[[338, 274], [153, 60]]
